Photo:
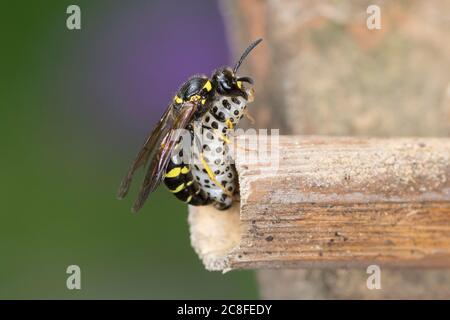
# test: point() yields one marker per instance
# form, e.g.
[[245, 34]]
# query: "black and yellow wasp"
[[206, 106]]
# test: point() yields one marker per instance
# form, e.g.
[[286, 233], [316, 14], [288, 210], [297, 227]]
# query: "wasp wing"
[[151, 145], [160, 160]]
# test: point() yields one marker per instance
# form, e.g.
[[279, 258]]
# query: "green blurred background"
[[75, 108]]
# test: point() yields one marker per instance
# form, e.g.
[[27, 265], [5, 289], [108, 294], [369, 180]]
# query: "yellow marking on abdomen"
[[175, 172], [185, 170], [178, 189]]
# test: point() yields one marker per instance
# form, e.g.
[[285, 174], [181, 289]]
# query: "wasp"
[[208, 109]]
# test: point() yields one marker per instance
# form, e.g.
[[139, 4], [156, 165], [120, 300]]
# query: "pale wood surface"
[[334, 202]]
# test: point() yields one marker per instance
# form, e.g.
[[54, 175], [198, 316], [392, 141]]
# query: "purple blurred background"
[[141, 56]]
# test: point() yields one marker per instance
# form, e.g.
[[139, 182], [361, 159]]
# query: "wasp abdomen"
[[179, 180]]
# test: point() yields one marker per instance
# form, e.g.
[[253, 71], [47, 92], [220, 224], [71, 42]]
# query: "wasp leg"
[[212, 176], [228, 141], [248, 116]]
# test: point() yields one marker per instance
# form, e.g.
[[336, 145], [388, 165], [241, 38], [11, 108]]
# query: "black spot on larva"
[[197, 177], [224, 182], [196, 167], [224, 130], [206, 180], [221, 116], [207, 119], [217, 172], [218, 149], [226, 104], [180, 153], [227, 169], [235, 100], [206, 147], [241, 116], [217, 161], [215, 109], [204, 171], [214, 125], [232, 119], [236, 112], [209, 194], [230, 175], [230, 188]]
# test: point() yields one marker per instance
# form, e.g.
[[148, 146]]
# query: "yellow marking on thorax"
[[239, 84], [188, 199], [178, 189], [208, 86], [189, 183], [195, 98], [177, 99], [212, 177]]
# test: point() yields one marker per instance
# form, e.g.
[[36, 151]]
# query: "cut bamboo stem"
[[333, 202]]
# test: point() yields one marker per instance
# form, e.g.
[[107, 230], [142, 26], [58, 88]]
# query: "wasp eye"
[[226, 85]]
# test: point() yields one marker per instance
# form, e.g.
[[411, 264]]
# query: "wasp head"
[[227, 84]]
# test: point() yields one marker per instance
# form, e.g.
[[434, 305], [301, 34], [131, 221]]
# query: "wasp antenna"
[[246, 52]]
